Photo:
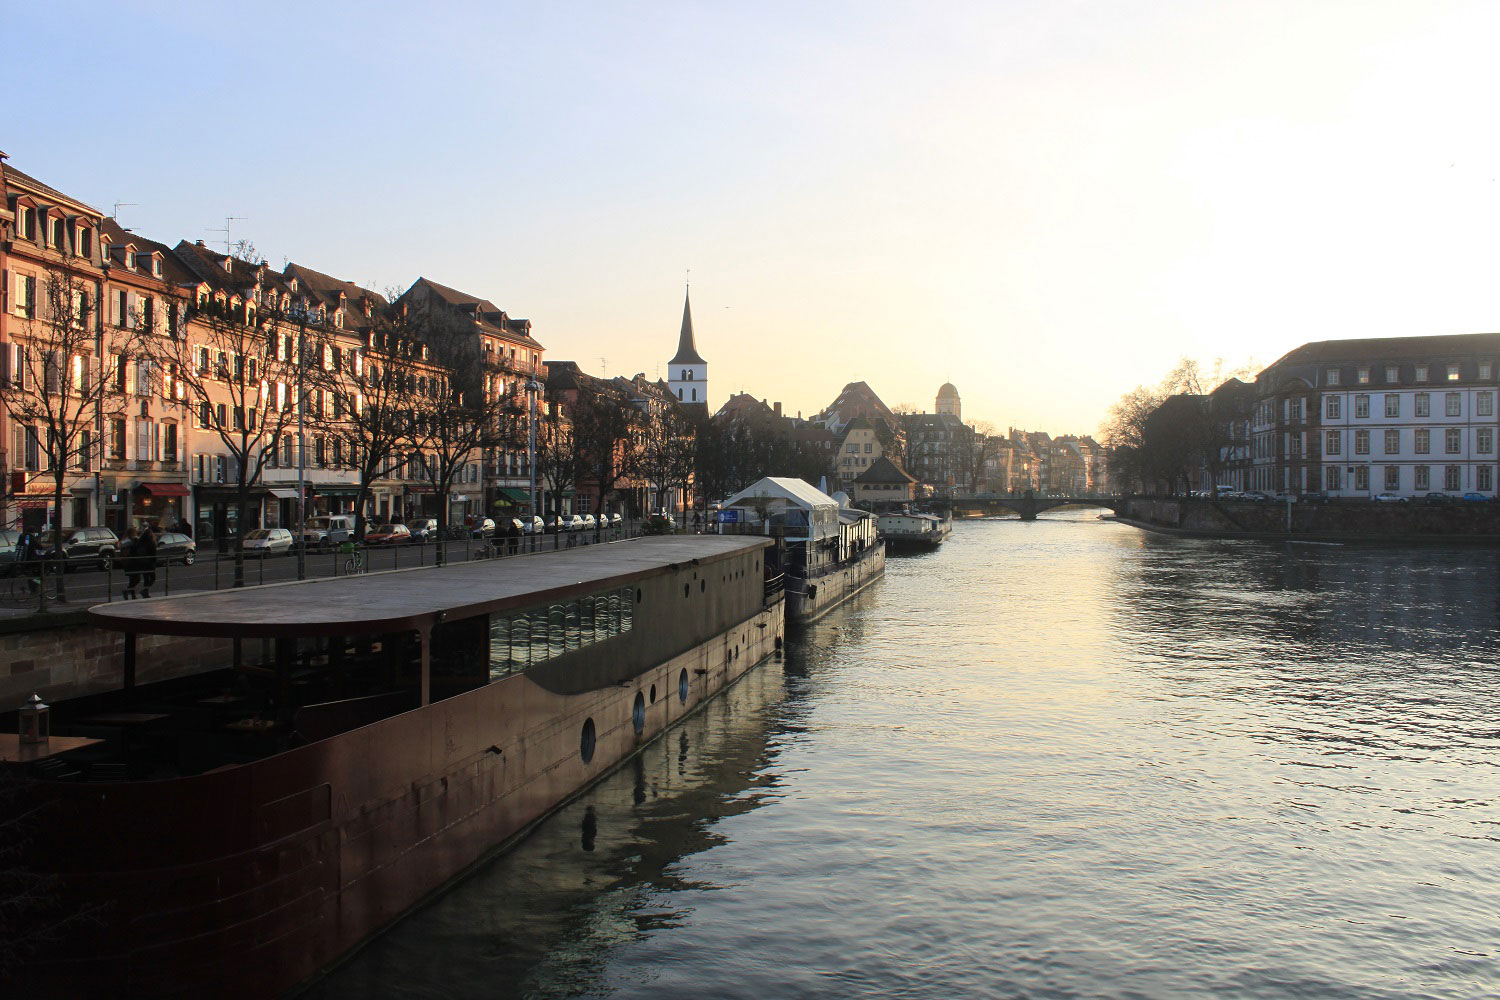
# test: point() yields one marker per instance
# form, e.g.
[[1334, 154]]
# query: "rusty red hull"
[[246, 882]]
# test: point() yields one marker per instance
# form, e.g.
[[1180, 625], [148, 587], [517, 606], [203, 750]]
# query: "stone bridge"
[[1028, 504]]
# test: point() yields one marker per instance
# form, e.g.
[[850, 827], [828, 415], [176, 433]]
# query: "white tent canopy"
[[790, 491]]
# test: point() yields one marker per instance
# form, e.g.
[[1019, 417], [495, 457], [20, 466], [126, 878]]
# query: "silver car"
[[264, 542]]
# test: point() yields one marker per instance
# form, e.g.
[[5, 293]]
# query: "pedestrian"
[[145, 554], [513, 535], [128, 562]]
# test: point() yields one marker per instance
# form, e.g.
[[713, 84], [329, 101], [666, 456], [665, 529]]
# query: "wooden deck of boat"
[[411, 598]]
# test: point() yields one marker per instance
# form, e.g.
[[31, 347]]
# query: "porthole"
[[702, 586], [586, 741], [682, 687], [638, 714], [687, 588], [653, 694], [637, 595]]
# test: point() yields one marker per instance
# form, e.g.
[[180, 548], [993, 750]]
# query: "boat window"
[[535, 635]]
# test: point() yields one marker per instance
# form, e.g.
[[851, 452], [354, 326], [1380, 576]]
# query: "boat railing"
[[775, 586]]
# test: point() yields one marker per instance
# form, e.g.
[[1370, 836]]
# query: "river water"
[[1052, 759]]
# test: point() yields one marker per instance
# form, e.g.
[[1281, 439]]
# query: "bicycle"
[[355, 564]]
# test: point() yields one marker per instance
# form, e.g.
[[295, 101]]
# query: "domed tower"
[[687, 373], [947, 401]]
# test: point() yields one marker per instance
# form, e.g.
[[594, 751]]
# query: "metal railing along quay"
[[43, 585]]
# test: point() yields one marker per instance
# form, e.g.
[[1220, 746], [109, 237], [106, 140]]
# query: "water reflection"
[[1058, 758]]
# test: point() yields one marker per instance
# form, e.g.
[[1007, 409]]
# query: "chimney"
[[200, 243], [777, 407]]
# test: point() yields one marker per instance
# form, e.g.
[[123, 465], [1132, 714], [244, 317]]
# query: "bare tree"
[[451, 426], [560, 464], [52, 384], [235, 368], [606, 426]]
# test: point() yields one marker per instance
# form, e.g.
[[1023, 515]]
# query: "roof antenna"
[[119, 205], [229, 220], [604, 366]]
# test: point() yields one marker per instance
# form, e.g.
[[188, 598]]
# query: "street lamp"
[[533, 387]]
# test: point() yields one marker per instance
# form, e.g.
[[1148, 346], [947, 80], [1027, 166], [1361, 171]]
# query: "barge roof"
[[398, 600]]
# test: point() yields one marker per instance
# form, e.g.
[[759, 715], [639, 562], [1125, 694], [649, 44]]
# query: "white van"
[[328, 530]]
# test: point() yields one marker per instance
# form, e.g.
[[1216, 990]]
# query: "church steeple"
[[687, 372], [687, 353]]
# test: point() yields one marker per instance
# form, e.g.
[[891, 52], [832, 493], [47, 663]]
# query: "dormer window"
[[1391, 374], [1364, 376], [1332, 376], [1421, 374], [294, 284], [156, 265], [83, 242], [1453, 373], [59, 234], [228, 265], [104, 251], [26, 222]]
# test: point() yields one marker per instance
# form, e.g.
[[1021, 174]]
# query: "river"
[[1052, 759]]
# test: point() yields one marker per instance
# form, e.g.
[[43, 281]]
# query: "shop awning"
[[513, 494], [283, 494], [164, 489]]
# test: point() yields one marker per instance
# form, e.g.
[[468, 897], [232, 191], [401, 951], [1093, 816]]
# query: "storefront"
[[334, 499], [508, 501], [158, 504], [281, 507], [217, 514], [419, 500]]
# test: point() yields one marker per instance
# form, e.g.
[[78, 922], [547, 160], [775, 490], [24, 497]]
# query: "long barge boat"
[[501, 689]]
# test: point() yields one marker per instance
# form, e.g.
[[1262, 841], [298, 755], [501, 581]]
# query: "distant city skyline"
[[1043, 204]]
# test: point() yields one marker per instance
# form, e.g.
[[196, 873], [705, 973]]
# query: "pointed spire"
[[687, 353]]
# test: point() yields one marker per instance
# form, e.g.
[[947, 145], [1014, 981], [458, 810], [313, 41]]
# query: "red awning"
[[165, 489]]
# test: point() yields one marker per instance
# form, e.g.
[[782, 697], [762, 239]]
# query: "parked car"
[[482, 528], [388, 534], [533, 525], [1437, 498], [616, 519], [264, 542], [327, 531], [81, 546], [10, 551], [574, 522], [590, 523], [1477, 498], [173, 546], [1256, 496], [1388, 498], [557, 522], [423, 529]]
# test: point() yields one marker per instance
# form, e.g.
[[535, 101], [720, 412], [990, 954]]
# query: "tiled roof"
[[883, 470], [44, 190], [1378, 349]]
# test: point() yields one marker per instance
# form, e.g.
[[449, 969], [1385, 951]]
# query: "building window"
[[117, 438], [205, 415], [1423, 482], [1332, 406], [1393, 404], [1453, 404], [1392, 442], [1361, 406], [1391, 374], [1484, 477], [1393, 477], [1421, 373], [1450, 477], [1362, 477], [1364, 376], [1423, 440], [169, 442], [1333, 443], [1332, 477], [1484, 404], [1453, 373], [1484, 441], [1424, 404], [1452, 441], [1361, 442], [1486, 370], [1331, 377]]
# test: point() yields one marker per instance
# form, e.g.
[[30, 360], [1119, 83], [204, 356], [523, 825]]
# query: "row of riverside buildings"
[[876, 454], [151, 326], [176, 385], [1355, 418]]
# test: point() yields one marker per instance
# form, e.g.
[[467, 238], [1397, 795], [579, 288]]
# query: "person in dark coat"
[[145, 554], [128, 562]]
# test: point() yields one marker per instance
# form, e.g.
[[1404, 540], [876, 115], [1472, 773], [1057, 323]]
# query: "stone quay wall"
[[60, 656], [1416, 522]]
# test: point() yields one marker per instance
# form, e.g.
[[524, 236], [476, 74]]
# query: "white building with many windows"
[[1356, 418]]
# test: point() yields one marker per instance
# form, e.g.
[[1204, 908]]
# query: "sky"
[[1046, 203]]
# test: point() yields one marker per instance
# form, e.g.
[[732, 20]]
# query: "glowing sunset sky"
[[1045, 203]]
